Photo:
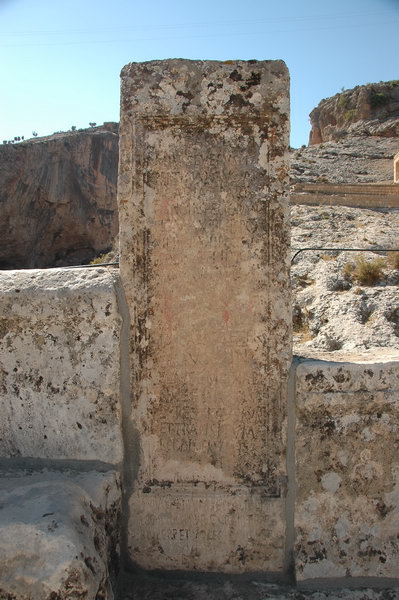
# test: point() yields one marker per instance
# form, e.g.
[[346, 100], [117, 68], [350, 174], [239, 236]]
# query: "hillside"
[[345, 301], [355, 159]]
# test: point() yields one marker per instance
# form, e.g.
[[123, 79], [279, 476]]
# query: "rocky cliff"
[[366, 110], [58, 198], [353, 139]]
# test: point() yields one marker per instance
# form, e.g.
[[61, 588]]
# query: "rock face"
[[354, 138], [371, 109], [333, 310], [58, 198]]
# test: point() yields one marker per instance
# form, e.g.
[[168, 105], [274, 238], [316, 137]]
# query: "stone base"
[[58, 535], [229, 529]]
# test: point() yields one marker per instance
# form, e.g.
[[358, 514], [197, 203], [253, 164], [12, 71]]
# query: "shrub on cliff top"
[[393, 260], [378, 99]]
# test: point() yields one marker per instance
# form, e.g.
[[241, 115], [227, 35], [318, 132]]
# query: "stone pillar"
[[204, 260]]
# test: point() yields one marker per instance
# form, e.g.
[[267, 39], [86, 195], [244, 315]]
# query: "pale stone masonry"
[[59, 365], [360, 196], [347, 470], [204, 233]]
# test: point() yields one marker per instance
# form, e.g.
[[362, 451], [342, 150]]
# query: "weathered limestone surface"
[[58, 535], [204, 240], [59, 364], [347, 466]]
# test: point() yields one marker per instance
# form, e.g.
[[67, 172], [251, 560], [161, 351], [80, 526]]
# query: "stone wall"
[[60, 433], [59, 365], [359, 196], [347, 470], [61, 356]]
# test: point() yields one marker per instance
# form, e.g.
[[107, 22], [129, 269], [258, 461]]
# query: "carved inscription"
[[204, 262], [209, 302], [210, 528]]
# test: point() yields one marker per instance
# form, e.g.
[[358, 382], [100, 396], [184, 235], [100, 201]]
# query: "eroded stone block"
[[59, 365], [347, 464], [58, 535], [208, 527], [204, 263]]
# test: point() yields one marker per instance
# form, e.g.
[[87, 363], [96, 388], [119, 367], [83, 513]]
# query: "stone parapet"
[[347, 471], [59, 365]]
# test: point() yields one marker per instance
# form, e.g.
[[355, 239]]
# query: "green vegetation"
[[393, 83], [107, 257], [349, 114], [343, 100], [393, 260], [102, 258], [378, 99], [363, 271]]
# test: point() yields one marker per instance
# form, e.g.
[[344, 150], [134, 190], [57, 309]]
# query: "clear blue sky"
[[61, 59]]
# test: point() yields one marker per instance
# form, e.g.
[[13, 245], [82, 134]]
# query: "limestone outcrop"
[[366, 110], [336, 309], [58, 198], [354, 138], [354, 159]]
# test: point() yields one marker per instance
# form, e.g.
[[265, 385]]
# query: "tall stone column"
[[204, 260]]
